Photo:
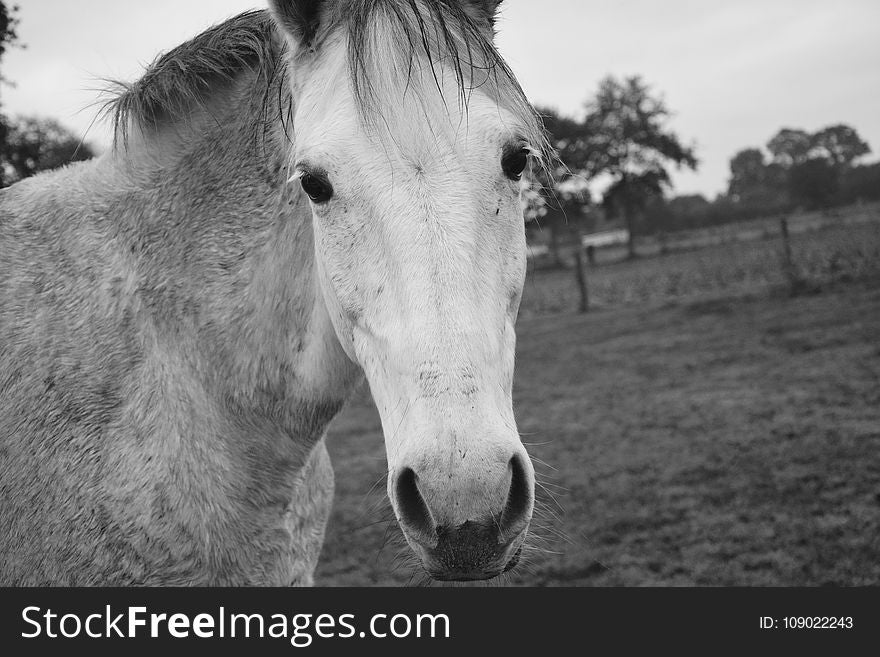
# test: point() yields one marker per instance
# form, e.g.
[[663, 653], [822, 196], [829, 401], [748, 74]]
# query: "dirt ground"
[[718, 442]]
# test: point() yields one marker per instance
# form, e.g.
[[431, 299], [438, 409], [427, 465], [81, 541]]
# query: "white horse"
[[294, 200]]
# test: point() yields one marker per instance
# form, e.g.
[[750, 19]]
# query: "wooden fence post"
[[580, 272], [786, 246], [796, 283]]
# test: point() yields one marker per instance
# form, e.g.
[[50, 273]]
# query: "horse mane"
[[184, 78], [382, 34]]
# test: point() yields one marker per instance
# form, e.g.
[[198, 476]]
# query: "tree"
[[839, 144], [755, 183], [35, 144], [790, 147], [8, 24], [814, 182], [748, 172], [678, 213], [8, 37], [558, 197], [815, 164], [861, 183], [629, 195], [631, 143], [30, 145]]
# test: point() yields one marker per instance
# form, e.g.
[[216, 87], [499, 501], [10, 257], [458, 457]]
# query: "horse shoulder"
[[66, 350]]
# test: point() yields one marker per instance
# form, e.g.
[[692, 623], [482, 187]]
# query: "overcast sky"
[[733, 72]]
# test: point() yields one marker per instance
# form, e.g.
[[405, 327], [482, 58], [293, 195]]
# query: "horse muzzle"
[[462, 530], [471, 552]]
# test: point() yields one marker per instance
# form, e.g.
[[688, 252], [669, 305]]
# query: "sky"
[[733, 73]]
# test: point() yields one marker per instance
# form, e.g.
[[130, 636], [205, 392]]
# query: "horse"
[[298, 199]]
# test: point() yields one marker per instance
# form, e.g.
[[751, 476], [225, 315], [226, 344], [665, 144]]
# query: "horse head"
[[409, 137]]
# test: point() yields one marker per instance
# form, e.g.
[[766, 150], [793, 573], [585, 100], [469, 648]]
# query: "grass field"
[[832, 254], [724, 434]]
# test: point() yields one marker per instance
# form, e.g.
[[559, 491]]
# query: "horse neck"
[[225, 259]]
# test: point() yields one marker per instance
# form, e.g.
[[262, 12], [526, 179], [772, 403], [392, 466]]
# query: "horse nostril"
[[517, 510], [413, 510]]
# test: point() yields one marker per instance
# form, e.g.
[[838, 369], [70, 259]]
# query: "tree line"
[[797, 170], [623, 147]]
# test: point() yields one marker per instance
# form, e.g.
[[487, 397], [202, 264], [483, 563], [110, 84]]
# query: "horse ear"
[[299, 19], [482, 11]]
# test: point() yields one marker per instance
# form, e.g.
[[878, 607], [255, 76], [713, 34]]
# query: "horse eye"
[[318, 189], [514, 163]]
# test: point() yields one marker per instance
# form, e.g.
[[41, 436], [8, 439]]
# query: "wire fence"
[[797, 255]]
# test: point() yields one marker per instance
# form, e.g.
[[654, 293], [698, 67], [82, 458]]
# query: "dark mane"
[[184, 78], [383, 36]]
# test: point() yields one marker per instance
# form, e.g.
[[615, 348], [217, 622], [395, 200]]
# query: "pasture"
[[730, 261], [702, 427]]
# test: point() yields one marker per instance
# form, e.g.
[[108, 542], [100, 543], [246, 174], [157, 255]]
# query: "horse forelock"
[[386, 38]]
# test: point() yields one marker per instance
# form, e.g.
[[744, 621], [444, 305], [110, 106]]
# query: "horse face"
[[420, 256]]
